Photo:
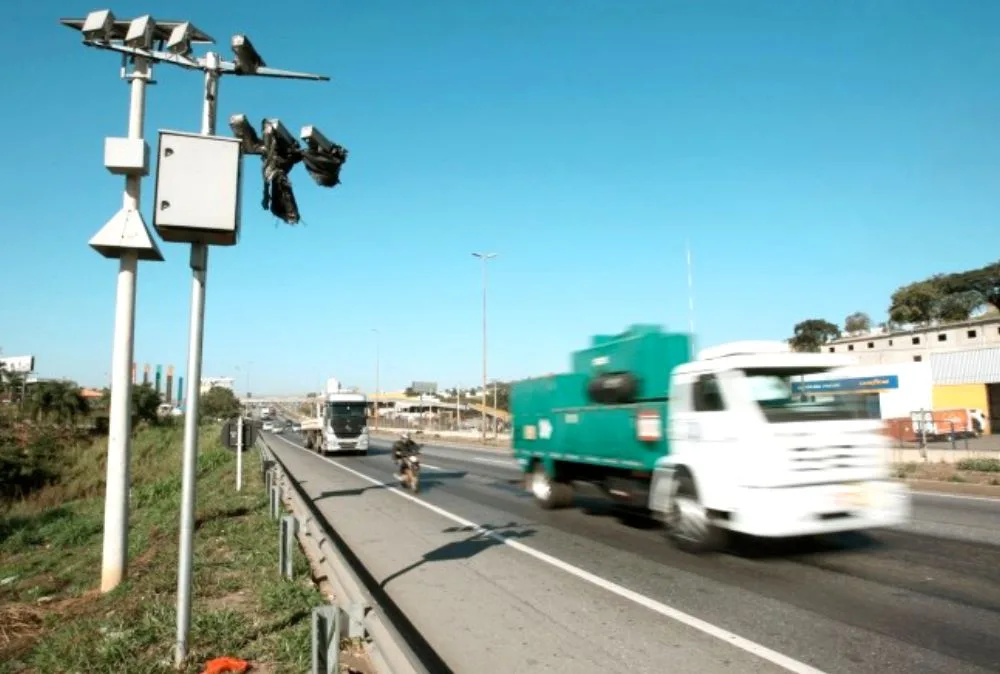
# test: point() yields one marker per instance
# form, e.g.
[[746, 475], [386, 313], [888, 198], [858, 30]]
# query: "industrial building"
[[938, 367]]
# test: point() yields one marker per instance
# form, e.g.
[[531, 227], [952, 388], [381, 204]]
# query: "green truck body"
[[557, 421]]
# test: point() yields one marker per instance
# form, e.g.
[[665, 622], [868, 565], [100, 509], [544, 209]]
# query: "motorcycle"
[[409, 467]]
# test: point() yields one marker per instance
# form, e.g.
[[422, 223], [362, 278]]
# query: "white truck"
[[341, 421], [714, 444]]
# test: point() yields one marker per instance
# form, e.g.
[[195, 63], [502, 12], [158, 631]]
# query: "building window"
[[832, 349], [917, 359], [850, 347], [971, 334], [916, 340], [871, 345], [943, 337], [890, 342]]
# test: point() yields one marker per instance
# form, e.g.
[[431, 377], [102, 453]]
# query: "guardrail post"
[[355, 612], [286, 545], [325, 640], [275, 501], [268, 480]]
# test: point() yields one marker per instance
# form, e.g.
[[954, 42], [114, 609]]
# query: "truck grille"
[[833, 457]]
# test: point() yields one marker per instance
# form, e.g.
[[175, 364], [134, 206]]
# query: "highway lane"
[[894, 601]]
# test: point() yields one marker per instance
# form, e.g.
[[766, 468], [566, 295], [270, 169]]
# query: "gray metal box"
[[126, 156], [198, 191]]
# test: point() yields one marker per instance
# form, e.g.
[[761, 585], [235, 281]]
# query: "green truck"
[[707, 445]]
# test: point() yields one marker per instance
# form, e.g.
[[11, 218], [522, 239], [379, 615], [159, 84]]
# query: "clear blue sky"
[[817, 154]]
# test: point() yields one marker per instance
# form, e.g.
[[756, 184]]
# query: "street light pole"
[[378, 390], [485, 257]]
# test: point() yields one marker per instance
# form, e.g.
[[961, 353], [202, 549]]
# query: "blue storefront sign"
[[852, 385]]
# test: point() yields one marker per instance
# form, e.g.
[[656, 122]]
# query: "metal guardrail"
[[355, 614]]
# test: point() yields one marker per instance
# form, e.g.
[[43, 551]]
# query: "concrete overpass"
[[396, 400]]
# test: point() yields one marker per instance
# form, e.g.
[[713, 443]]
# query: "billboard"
[[19, 364], [424, 387]]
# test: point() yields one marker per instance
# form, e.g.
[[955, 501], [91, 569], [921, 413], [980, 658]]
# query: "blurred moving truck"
[[708, 445]]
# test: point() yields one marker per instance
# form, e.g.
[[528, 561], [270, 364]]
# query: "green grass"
[[982, 465], [53, 618]]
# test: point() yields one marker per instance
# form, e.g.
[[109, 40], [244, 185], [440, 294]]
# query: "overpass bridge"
[[392, 400]]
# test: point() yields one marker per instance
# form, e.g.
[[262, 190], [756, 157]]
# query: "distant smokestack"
[[158, 379], [145, 374], [180, 390], [169, 395]]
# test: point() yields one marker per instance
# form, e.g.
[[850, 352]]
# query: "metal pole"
[[114, 562], [239, 452], [199, 272], [484, 349], [378, 390], [496, 432]]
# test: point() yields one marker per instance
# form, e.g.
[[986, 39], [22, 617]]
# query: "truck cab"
[[751, 452], [341, 423]]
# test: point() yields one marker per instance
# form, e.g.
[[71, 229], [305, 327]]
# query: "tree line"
[[941, 298]]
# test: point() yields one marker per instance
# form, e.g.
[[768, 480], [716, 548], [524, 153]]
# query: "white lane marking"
[[499, 462], [427, 465], [956, 497], [708, 628]]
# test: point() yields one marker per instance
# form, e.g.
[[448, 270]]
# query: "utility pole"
[[485, 257]]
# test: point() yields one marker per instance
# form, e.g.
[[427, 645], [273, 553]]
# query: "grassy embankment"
[[978, 471], [53, 618]]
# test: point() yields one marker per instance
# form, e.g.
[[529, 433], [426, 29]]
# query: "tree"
[[410, 392], [219, 403], [916, 303], [946, 297], [60, 402], [813, 333], [146, 403], [859, 321]]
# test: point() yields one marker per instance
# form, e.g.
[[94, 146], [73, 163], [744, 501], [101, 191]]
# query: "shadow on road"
[[482, 538], [802, 547]]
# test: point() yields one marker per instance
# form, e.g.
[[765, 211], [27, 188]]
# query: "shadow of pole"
[[483, 537]]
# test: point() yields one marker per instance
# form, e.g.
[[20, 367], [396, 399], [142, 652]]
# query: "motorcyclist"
[[401, 449]]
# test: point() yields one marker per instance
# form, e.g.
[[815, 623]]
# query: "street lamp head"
[[248, 60], [484, 256], [140, 33], [249, 140], [98, 26], [180, 39]]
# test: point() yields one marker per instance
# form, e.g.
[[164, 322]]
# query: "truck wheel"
[[688, 525], [550, 494], [309, 441]]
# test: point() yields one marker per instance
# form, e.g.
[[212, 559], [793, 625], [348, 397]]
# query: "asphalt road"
[[924, 598]]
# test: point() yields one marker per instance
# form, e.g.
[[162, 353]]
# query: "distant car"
[[269, 426], [296, 427]]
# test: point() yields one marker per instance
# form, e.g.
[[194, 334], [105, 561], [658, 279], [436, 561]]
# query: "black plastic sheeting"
[[279, 158]]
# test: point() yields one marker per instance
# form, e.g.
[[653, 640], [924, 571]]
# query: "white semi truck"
[[340, 423]]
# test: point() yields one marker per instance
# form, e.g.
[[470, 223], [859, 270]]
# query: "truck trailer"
[[707, 445], [340, 423]]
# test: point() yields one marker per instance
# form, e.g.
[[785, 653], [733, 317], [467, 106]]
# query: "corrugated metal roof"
[[975, 366]]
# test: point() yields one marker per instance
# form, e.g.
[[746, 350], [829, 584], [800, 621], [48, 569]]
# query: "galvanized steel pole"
[[199, 272], [114, 561]]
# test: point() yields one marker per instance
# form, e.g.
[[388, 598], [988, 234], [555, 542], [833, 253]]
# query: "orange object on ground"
[[226, 665]]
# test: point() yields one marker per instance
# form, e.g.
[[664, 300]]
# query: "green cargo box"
[[554, 419], [643, 350]]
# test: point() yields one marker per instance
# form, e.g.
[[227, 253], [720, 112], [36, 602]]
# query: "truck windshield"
[[346, 410], [773, 391]]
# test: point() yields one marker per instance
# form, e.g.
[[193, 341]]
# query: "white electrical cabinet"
[[197, 196]]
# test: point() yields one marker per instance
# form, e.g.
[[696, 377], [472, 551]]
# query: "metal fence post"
[[268, 480], [286, 545], [325, 640]]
